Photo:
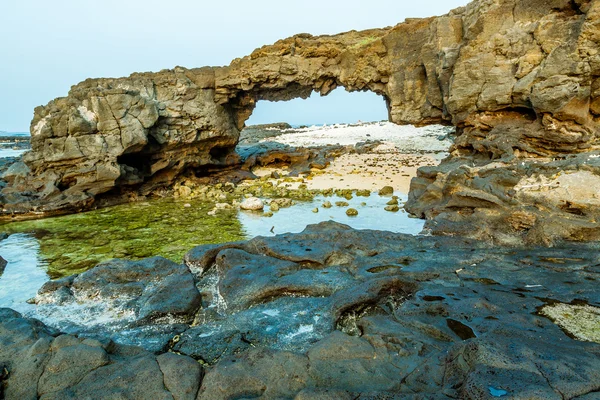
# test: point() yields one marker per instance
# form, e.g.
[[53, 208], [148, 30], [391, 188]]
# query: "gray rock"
[[402, 317]]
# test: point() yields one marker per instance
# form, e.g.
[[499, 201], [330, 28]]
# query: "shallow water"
[[61, 246], [371, 215], [25, 272], [5, 153]]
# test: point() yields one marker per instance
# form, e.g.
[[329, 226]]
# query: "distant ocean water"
[[7, 148], [4, 153], [19, 134]]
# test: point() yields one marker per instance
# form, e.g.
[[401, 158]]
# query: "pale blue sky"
[[47, 46]]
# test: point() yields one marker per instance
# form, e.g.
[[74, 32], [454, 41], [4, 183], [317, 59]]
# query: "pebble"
[[252, 204]]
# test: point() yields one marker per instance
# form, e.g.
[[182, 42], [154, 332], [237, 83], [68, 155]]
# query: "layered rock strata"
[[329, 313], [519, 79]]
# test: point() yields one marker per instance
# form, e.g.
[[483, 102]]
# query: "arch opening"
[[338, 106]]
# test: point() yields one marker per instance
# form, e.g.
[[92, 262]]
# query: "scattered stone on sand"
[[327, 204], [252, 204], [393, 202], [342, 204], [268, 214], [315, 210], [386, 191], [351, 212], [392, 208]]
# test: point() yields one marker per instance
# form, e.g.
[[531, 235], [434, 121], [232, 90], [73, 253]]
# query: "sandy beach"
[[394, 162]]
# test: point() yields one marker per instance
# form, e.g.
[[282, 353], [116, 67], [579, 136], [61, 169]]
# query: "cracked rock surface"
[[331, 312]]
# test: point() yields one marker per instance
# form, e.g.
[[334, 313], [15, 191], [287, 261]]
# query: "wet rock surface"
[[333, 312]]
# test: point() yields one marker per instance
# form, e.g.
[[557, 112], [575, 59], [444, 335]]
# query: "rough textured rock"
[[517, 78], [338, 313], [252, 204], [132, 301], [534, 201]]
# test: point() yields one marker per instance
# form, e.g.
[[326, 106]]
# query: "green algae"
[[582, 322], [166, 227]]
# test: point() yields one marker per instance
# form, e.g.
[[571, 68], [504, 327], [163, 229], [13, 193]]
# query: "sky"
[[48, 46]]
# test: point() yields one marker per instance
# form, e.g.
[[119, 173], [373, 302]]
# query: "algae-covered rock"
[[580, 321], [386, 191], [392, 208], [393, 202], [351, 212], [74, 243]]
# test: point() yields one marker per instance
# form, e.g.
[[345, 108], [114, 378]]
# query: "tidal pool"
[[56, 247]]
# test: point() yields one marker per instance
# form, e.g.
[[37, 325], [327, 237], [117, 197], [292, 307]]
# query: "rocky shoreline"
[[330, 313], [501, 302], [518, 81]]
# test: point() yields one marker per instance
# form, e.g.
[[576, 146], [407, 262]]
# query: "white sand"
[[393, 163]]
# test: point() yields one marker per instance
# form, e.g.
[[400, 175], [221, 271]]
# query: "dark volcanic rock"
[[335, 313], [147, 301], [40, 363], [3, 264]]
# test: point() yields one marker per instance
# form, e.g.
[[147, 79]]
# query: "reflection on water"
[[371, 215], [24, 274], [61, 246]]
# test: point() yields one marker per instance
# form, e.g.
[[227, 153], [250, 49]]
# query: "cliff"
[[519, 79]]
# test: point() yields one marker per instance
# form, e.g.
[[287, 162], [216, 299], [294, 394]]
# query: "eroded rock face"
[[114, 134], [517, 78]]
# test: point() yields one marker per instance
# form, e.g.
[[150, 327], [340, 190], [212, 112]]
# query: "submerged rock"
[[352, 212], [386, 191]]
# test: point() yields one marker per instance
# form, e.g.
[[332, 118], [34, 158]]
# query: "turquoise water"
[[37, 251]]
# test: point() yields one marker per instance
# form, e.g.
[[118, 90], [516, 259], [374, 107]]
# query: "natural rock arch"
[[519, 80]]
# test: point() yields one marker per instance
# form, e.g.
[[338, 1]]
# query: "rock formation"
[[519, 79], [329, 313]]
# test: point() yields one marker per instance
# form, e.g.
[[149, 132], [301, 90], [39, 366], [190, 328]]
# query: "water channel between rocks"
[[50, 248], [56, 247]]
